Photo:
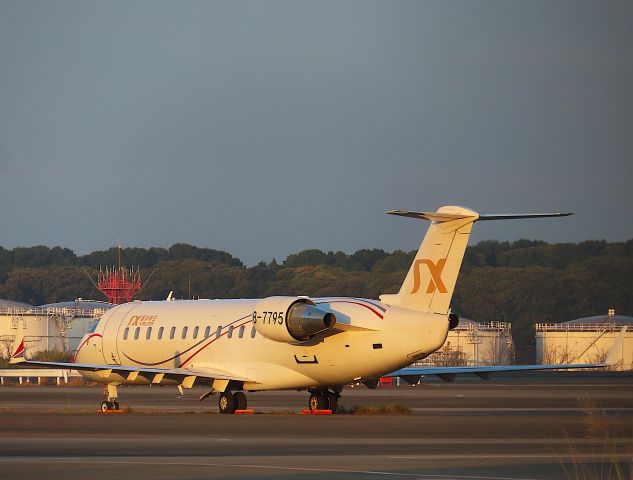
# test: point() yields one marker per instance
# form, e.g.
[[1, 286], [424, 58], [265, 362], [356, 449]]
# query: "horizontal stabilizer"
[[513, 216], [447, 217], [433, 216]]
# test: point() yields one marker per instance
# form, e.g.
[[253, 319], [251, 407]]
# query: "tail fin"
[[19, 348], [431, 279]]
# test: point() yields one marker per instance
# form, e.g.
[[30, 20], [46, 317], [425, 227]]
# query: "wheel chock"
[[111, 411], [316, 412], [244, 412]]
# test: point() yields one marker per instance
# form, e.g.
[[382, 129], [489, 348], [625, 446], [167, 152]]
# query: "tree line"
[[523, 282]]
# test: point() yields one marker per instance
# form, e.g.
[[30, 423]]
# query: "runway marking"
[[511, 456], [259, 467], [516, 409], [28, 438], [430, 456]]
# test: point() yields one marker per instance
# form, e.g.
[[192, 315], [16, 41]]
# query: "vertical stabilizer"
[[429, 285], [431, 279]]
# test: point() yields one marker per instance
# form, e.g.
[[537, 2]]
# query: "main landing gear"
[[323, 400], [110, 404], [229, 402]]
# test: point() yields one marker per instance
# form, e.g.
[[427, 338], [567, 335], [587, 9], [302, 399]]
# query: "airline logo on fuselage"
[[435, 269], [142, 320]]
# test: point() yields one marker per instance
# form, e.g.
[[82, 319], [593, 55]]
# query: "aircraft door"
[[111, 333]]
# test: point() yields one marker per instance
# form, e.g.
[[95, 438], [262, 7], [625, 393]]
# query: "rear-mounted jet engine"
[[290, 319]]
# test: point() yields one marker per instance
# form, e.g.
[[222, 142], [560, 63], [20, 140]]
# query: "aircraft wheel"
[[333, 401], [318, 401], [240, 400], [115, 405], [105, 406], [226, 403]]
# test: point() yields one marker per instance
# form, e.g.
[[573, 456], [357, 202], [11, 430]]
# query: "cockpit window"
[[93, 326]]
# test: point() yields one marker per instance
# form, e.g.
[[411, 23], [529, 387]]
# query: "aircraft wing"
[[448, 374], [155, 375], [413, 374]]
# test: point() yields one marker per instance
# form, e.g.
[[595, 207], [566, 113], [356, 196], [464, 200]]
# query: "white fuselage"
[[369, 339]]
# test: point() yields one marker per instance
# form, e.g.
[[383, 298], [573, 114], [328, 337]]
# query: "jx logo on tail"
[[435, 269]]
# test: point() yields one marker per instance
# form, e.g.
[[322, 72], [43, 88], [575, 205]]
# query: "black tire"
[[240, 400], [318, 401], [226, 403], [115, 406], [105, 406], [332, 399]]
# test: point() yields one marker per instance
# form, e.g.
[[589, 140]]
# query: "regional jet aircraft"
[[289, 342]]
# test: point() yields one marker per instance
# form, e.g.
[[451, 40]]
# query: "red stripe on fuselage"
[[379, 307], [192, 347], [213, 340], [83, 343]]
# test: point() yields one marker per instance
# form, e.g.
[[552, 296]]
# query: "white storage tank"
[[472, 343], [587, 340], [58, 326], [40, 332], [80, 316]]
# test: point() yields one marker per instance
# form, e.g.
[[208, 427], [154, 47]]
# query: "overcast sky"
[[266, 128]]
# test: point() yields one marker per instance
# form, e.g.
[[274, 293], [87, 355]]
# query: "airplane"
[[317, 345]]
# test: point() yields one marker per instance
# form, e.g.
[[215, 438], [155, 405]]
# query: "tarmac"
[[526, 426]]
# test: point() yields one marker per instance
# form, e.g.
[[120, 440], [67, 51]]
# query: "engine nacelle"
[[290, 319], [453, 321]]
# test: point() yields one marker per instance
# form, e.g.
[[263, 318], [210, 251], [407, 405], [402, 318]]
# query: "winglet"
[[19, 348], [615, 353]]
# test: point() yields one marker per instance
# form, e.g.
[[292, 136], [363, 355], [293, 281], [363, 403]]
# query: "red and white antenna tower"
[[119, 284]]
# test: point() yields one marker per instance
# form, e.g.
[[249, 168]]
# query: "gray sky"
[[266, 128]]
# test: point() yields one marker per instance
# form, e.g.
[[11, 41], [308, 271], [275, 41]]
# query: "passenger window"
[[241, 334], [160, 333], [218, 332], [253, 332], [172, 333], [125, 333], [195, 332], [137, 332], [184, 332], [230, 334], [207, 331], [149, 333]]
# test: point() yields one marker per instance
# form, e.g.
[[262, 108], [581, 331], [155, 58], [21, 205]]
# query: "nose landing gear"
[[111, 403]]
